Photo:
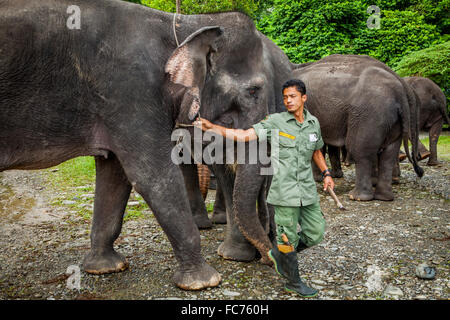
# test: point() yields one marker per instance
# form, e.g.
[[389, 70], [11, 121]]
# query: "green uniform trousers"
[[311, 221]]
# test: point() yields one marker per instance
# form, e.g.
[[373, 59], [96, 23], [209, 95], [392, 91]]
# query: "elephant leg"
[[423, 151], [111, 195], [245, 195], [195, 197], [396, 172], [363, 187], [150, 170], [336, 169], [374, 175], [434, 134], [386, 164], [220, 213], [235, 246]]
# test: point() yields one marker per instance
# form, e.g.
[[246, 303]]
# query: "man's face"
[[293, 99]]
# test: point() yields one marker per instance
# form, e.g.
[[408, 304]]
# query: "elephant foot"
[[239, 252], [108, 262], [199, 278], [202, 222], [395, 180], [360, 196], [401, 156], [219, 217], [424, 155], [432, 163], [384, 195], [266, 260], [337, 174], [374, 181]]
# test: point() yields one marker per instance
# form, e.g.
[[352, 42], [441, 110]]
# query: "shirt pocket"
[[287, 148]]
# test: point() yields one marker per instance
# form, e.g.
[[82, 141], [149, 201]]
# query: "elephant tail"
[[419, 171], [443, 110], [411, 129]]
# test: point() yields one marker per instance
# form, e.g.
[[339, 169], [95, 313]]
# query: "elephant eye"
[[253, 90]]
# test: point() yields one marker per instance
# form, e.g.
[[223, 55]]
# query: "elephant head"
[[241, 87], [187, 70]]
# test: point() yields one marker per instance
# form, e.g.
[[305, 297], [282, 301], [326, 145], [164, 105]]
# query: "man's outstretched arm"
[[239, 135], [319, 160]]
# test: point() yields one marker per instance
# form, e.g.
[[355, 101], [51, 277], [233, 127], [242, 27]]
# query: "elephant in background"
[[363, 105], [433, 113]]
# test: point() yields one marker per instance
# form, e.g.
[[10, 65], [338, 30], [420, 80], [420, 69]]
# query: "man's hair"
[[298, 84]]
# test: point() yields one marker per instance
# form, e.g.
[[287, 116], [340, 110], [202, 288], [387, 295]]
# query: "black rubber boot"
[[301, 246], [295, 283], [279, 261]]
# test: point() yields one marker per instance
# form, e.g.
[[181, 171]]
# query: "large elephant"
[[433, 112], [114, 86], [241, 99], [362, 104]]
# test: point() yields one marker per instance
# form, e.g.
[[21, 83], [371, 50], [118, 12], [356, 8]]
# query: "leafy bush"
[[432, 63], [310, 30], [202, 6]]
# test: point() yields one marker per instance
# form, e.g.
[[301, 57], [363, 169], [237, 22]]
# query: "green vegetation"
[[443, 147], [432, 63], [311, 30], [74, 185], [200, 6]]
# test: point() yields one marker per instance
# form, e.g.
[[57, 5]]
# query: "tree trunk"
[[178, 6]]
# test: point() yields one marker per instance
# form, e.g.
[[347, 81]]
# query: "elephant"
[[115, 87], [433, 113], [240, 102], [363, 105]]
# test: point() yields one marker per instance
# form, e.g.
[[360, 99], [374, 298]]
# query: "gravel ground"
[[370, 251]]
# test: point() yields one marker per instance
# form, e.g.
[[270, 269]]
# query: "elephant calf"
[[433, 113]]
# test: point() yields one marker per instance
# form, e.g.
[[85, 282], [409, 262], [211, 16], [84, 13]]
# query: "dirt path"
[[370, 251]]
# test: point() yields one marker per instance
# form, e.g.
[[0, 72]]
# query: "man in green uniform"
[[293, 191]]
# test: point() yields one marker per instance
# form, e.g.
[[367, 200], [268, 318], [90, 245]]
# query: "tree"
[[201, 6], [310, 30], [432, 63]]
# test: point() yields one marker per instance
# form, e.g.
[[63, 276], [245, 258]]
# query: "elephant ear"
[[189, 65]]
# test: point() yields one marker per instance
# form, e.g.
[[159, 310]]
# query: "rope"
[[174, 30]]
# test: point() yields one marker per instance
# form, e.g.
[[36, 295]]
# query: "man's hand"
[[328, 182], [233, 134], [203, 124]]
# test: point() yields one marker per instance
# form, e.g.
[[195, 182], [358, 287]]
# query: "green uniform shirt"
[[293, 184]]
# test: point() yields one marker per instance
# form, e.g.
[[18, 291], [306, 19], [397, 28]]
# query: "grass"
[[74, 184], [443, 147]]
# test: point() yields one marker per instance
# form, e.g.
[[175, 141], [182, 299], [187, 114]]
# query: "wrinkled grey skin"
[[253, 92], [362, 104], [115, 90], [433, 112]]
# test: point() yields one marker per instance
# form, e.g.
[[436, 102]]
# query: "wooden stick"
[[335, 198]]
